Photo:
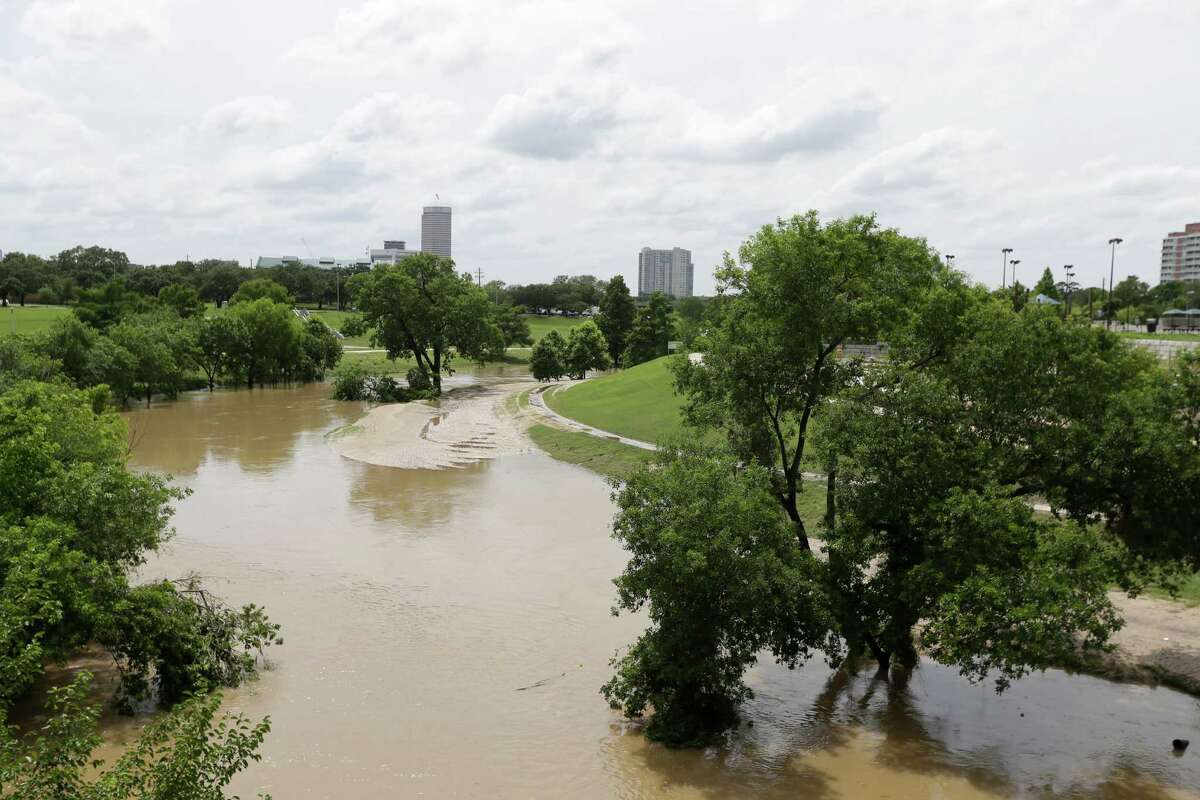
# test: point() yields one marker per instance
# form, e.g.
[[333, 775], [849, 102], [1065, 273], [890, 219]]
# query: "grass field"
[[1166, 337], [609, 458], [639, 402], [539, 326], [1188, 591], [29, 319]]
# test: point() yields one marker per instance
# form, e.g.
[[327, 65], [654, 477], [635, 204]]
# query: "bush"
[[356, 381]]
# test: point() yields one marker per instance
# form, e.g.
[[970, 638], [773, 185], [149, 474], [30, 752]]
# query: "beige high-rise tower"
[[435, 230]]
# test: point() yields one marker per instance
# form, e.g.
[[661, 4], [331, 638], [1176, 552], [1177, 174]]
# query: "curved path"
[[537, 401]]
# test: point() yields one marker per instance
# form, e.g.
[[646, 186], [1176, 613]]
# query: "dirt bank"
[[466, 425]]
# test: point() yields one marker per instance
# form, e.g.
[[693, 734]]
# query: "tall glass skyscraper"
[[666, 271], [435, 230]]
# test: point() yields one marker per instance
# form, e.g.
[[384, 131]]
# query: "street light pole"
[[1070, 280], [1112, 264], [949, 259], [1004, 267], [1013, 264]]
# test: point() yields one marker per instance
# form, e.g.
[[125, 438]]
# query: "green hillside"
[[639, 402]]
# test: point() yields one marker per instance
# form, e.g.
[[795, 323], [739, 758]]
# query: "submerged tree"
[[421, 308], [931, 455], [549, 355]]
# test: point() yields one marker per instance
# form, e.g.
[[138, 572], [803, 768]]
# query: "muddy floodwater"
[[447, 632]]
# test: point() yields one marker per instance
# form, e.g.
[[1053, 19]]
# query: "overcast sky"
[[567, 135]]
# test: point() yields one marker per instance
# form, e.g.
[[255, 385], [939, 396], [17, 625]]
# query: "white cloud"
[[939, 161], [73, 26], [246, 115], [383, 36], [575, 112], [387, 114]]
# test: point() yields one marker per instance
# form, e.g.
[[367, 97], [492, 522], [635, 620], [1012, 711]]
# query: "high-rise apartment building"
[[435, 230], [1181, 255], [666, 271]]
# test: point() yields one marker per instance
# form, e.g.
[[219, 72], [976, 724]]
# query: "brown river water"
[[447, 632]]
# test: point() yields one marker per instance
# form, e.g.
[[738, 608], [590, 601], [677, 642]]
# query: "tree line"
[[75, 522], [60, 279], [139, 348], [929, 545]]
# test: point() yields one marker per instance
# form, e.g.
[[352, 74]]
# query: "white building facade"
[[666, 271]]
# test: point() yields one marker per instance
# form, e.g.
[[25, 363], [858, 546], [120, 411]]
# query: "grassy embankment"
[[29, 319], [639, 402]]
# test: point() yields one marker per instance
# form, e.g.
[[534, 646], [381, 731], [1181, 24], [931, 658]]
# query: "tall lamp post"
[[1070, 282], [1004, 268], [1013, 264], [1112, 264], [949, 259]]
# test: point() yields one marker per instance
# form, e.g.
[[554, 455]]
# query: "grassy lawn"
[[1166, 337], [639, 402], [539, 326], [29, 319], [1189, 591], [609, 458]]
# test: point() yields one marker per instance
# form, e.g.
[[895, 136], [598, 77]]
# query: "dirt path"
[[1160, 640]]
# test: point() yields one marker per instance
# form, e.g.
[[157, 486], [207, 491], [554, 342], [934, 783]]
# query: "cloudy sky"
[[567, 135]]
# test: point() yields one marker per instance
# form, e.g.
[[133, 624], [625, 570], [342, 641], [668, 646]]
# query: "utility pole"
[[1070, 280], [1112, 264], [1004, 267]]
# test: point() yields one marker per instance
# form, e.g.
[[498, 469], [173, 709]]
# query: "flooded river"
[[447, 632]]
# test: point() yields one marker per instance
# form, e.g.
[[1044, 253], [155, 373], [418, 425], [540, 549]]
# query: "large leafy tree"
[[800, 291], [717, 568], [547, 363], [272, 343], [932, 456], [421, 308], [651, 333], [586, 350], [617, 312], [74, 522], [259, 288]]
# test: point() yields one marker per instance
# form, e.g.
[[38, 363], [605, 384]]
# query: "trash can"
[[1151, 325]]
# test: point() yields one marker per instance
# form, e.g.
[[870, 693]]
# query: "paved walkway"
[[539, 403]]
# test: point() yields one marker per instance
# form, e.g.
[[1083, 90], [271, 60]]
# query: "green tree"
[[182, 299], [219, 342], [549, 354], [1046, 285], [799, 291], [322, 349], [586, 349], [189, 754], [107, 305], [617, 312], [272, 342], [89, 267], [159, 355], [219, 284], [69, 341], [513, 325], [651, 332], [75, 522], [716, 567], [259, 288], [421, 308]]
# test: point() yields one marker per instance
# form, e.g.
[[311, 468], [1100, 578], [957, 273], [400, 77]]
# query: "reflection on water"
[[447, 631]]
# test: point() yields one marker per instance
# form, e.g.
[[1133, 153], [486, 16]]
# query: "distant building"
[[392, 251], [1181, 255], [325, 262], [435, 230], [666, 271]]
